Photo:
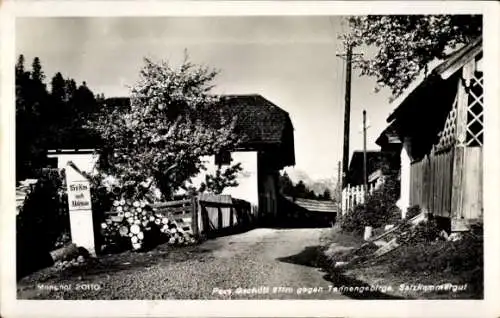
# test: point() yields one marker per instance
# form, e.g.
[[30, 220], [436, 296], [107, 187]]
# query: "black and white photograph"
[[252, 157]]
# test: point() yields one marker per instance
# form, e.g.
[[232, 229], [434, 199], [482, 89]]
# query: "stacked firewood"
[[137, 221]]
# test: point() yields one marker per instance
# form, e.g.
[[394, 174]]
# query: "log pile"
[[136, 223]]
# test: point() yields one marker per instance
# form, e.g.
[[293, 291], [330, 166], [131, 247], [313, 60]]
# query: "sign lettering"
[[79, 195]]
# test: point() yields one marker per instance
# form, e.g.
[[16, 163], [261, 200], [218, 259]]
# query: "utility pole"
[[347, 112], [365, 177], [339, 182], [347, 116]]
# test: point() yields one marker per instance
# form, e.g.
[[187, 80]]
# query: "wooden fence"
[[183, 212], [449, 184], [208, 214]]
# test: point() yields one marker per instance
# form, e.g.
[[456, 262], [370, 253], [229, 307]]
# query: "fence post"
[[348, 195], [194, 216], [343, 201], [355, 196], [358, 194]]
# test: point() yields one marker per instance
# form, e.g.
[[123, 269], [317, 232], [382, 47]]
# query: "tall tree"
[[327, 195], [37, 73], [20, 66], [286, 184], [43, 119], [31, 99], [301, 190], [70, 88], [159, 141], [58, 88], [406, 44], [84, 102]]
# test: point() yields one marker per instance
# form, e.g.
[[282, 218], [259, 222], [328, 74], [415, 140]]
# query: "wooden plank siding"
[[472, 208], [431, 182], [180, 211], [219, 211], [449, 184]]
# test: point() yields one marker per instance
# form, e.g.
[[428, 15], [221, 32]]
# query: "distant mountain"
[[317, 185]]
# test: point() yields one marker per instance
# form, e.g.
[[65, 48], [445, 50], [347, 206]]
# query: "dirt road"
[[259, 264]]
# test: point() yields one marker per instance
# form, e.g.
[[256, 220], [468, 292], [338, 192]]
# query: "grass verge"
[[418, 269]]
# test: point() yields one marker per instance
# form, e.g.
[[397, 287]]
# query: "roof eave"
[[459, 59], [441, 72]]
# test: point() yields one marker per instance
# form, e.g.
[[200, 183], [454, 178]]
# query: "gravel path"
[[259, 264]]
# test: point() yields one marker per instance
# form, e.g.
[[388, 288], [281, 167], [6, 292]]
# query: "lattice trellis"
[[447, 137], [475, 118], [475, 110]]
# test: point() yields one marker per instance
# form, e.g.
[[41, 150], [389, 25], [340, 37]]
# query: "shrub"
[[42, 223], [44, 218], [379, 210]]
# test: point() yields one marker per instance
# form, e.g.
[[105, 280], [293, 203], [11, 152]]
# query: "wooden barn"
[[437, 127]]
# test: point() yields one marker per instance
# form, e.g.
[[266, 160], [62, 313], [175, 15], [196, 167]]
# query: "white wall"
[[84, 161], [404, 199], [247, 179]]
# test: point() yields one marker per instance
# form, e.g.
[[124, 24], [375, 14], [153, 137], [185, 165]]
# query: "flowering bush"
[[159, 141]]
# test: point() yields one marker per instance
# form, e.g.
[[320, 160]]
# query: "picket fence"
[[354, 195]]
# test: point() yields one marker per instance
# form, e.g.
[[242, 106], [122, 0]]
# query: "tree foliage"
[[159, 141], [406, 44], [222, 179]]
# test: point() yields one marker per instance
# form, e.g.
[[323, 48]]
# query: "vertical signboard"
[[80, 208]]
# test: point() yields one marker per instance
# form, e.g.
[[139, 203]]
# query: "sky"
[[290, 60]]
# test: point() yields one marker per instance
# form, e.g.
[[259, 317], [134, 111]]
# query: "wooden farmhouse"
[[266, 147], [437, 128]]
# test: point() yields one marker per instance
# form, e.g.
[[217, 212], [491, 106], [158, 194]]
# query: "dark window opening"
[[223, 158], [51, 162]]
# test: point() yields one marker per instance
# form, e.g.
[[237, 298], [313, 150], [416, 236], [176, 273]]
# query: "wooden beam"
[[457, 197], [463, 103], [194, 216], [460, 59]]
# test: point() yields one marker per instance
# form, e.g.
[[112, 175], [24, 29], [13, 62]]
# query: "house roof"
[[375, 161], [389, 135], [421, 111], [117, 102], [76, 138], [258, 120], [442, 71]]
